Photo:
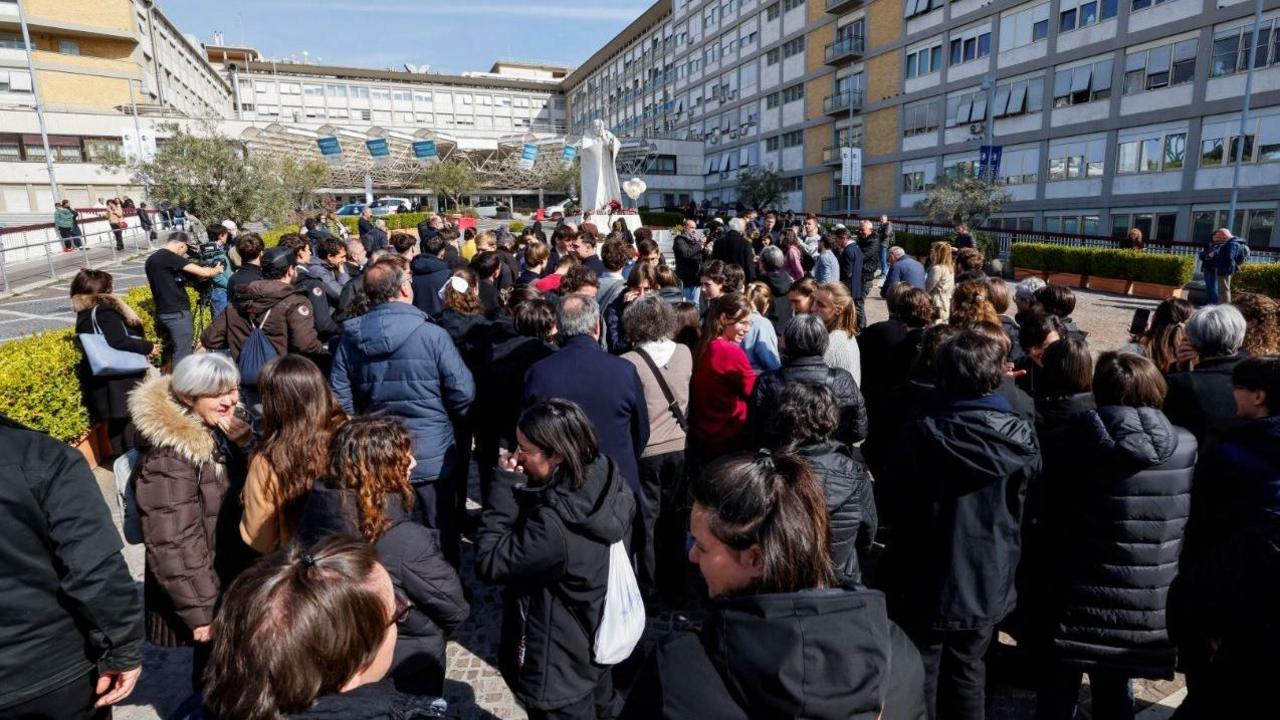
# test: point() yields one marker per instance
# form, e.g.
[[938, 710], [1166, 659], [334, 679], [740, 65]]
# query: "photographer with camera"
[[169, 270]]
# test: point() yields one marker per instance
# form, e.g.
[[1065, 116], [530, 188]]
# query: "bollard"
[[53, 274]]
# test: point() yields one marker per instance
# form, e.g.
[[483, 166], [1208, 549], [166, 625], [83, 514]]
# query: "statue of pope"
[[599, 171]]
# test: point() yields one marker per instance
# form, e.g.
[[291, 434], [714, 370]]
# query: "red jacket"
[[718, 397]]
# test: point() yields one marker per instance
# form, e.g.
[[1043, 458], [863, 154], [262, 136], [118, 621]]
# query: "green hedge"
[[1103, 262], [916, 244], [1262, 279], [661, 218], [39, 382], [39, 386]]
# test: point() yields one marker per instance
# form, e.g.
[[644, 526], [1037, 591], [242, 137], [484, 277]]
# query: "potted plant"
[[1108, 271], [1160, 276]]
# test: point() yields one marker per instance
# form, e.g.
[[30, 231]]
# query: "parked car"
[[350, 210], [560, 207], [391, 206], [487, 209]]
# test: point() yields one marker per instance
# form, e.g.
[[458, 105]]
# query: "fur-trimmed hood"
[[80, 303], [166, 423]]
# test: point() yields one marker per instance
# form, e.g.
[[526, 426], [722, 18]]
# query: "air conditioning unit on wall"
[[977, 128]]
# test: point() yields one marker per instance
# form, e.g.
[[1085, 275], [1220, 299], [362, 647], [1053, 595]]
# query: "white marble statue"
[[599, 173]]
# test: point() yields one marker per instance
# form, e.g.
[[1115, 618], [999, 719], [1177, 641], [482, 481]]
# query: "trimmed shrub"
[[661, 218], [271, 238], [915, 243], [144, 305], [39, 385], [1256, 278], [1147, 267], [50, 399], [516, 227]]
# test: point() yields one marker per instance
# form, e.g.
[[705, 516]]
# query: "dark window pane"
[[1040, 30], [984, 45], [970, 49], [1211, 152], [1166, 223], [1225, 50], [1067, 21], [1108, 9], [1088, 13], [1140, 4], [957, 47]]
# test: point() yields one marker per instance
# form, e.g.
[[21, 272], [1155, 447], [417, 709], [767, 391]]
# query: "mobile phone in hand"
[[1141, 317]]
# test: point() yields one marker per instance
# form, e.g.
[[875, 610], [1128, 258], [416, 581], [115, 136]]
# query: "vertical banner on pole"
[[850, 166], [368, 189], [425, 152], [989, 161], [330, 149], [528, 156]]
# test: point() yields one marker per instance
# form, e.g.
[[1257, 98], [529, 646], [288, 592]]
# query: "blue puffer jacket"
[[394, 359]]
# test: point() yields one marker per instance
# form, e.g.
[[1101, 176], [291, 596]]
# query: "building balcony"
[[836, 7], [841, 204], [842, 103], [845, 50]]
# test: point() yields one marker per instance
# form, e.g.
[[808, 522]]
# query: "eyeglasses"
[[403, 606]]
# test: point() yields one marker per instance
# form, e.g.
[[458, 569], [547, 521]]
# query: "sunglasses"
[[403, 607]]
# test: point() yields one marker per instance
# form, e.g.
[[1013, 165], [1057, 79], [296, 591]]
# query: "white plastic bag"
[[132, 520], [622, 622]]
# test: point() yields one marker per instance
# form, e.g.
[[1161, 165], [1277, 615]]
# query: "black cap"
[[278, 258]]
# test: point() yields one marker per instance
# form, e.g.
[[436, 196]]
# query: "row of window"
[[63, 148], [1137, 152], [1255, 225]]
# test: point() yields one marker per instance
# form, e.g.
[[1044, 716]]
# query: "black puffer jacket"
[[816, 654], [850, 504], [1119, 493], [67, 602], [411, 554], [549, 545], [1201, 401], [853, 411], [959, 477], [378, 701]]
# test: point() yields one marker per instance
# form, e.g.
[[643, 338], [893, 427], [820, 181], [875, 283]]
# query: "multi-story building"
[[1111, 113], [96, 62], [759, 83]]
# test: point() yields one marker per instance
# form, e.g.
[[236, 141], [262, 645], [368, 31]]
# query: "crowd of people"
[[847, 513]]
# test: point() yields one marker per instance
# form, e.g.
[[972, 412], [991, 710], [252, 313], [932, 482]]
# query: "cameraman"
[[214, 252], [168, 270]]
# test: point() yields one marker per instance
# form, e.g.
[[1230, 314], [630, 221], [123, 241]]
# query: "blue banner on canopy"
[[424, 149], [570, 152], [378, 147], [329, 146], [528, 156]]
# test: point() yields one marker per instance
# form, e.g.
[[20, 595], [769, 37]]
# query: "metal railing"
[[848, 47], [1004, 239], [35, 254], [841, 5], [842, 102]]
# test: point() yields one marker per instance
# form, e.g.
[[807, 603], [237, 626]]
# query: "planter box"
[[90, 446], [1023, 273], [1068, 279], [1155, 290], [1106, 284]]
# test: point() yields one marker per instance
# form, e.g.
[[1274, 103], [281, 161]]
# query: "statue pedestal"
[[604, 222]]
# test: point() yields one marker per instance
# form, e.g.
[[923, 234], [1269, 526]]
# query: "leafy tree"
[[211, 176], [761, 187], [453, 179], [299, 178], [966, 199], [565, 177]]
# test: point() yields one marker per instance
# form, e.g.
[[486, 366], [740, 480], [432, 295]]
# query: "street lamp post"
[[1250, 57], [989, 85], [35, 91]]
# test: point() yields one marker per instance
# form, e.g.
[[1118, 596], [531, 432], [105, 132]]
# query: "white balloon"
[[634, 187]]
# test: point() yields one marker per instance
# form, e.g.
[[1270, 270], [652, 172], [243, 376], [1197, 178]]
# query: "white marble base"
[[604, 222]]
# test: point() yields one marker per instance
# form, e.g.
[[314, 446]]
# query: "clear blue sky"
[[449, 35]]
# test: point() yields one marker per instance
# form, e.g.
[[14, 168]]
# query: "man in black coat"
[[1201, 400], [72, 631], [732, 248], [430, 272], [689, 250], [806, 341], [607, 387], [869, 243], [958, 483]]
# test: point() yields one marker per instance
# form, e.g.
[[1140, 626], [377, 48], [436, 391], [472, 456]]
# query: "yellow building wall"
[[106, 48], [815, 91], [816, 187], [76, 91], [815, 139], [879, 185], [884, 22], [112, 14], [815, 46], [883, 75], [880, 133]]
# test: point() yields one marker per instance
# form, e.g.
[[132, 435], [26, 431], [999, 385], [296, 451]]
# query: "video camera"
[[207, 254]]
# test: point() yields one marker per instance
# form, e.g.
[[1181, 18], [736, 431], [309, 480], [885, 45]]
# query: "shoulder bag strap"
[[93, 317], [265, 315], [672, 405]]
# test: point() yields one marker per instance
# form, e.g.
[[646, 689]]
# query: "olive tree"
[[761, 187], [963, 199], [453, 179]]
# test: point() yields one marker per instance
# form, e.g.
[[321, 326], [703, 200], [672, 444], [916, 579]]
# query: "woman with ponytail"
[[367, 494], [761, 539], [723, 379]]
